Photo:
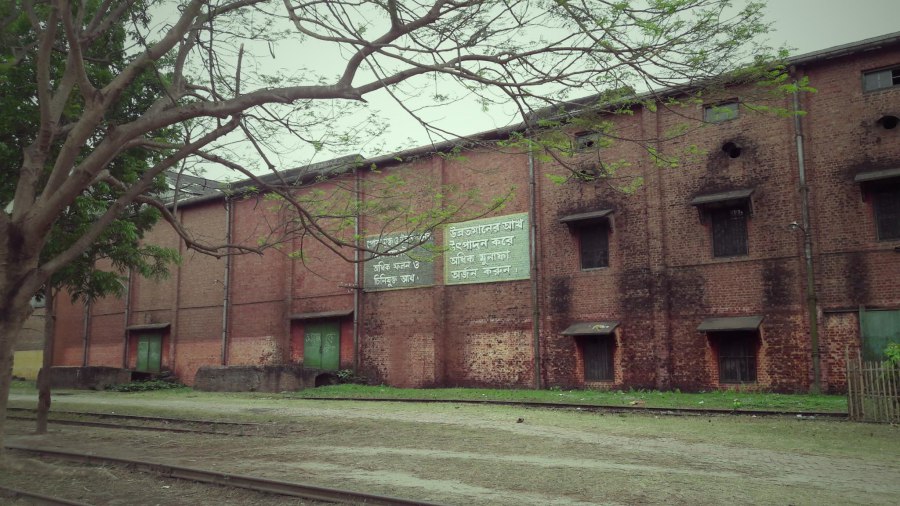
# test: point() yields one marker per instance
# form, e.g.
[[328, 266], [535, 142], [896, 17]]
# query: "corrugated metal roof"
[[591, 328], [730, 323]]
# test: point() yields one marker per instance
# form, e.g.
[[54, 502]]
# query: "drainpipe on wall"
[[811, 299], [535, 307], [356, 267], [224, 352]]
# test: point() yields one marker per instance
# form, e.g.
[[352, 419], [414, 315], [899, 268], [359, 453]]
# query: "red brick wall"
[[661, 283], [257, 329], [69, 332], [840, 338], [198, 341]]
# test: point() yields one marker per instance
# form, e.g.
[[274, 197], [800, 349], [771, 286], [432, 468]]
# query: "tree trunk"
[[15, 308], [11, 324], [43, 380]]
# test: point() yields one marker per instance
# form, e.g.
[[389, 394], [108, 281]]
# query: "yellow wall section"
[[26, 364]]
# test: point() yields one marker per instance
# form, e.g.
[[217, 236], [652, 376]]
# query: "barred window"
[[729, 231], [598, 358], [887, 212], [737, 356], [594, 245]]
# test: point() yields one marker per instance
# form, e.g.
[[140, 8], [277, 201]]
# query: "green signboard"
[[407, 270], [487, 250]]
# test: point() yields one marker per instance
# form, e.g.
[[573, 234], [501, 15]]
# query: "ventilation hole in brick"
[[888, 122], [732, 149]]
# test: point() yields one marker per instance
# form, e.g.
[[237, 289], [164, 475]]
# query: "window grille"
[[598, 358], [594, 244], [887, 213], [729, 230], [737, 357]]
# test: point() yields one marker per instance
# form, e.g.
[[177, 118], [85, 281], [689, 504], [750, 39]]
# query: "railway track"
[[230, 428], [35, 498], [533, 405], [265, 485], [160, 419], [597, 407], [165, 424]]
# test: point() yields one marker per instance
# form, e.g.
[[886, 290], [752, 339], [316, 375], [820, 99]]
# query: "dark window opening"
[[737, 356], [718, 113], [598, 358], [886, 202], [594, 245], [729, 231], [589, 141], [881, 79]]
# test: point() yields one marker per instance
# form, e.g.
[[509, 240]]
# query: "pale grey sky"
[[810, 25], [803, 25]]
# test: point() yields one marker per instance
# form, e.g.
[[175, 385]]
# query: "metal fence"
[[873, 391]]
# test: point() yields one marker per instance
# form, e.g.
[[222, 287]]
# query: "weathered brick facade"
[[661, 284]]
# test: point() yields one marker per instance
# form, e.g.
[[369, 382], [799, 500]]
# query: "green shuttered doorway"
[[321, 346], [149, 352]]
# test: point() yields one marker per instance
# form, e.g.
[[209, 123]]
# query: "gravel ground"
[[462, 454]]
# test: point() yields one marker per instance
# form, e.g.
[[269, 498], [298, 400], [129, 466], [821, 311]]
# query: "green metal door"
[[321, 346], [149, 352], [877, 329]]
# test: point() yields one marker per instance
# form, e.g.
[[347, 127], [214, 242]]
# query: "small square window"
[[886, 202], [717, 113], [729, 231], [598, 355], [593, 242], [737, 356], [881, 79]]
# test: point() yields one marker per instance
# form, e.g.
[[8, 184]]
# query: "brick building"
[[696, 277]]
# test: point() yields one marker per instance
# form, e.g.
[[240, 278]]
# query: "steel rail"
[[41, 499], [85, 423], [143, 418], [526, 404], [286, 488], [594, 407]]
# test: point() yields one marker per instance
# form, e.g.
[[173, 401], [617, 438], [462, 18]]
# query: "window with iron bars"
[[737, 357], [594, 245], [886, 202], [729, 231], [598, 358]]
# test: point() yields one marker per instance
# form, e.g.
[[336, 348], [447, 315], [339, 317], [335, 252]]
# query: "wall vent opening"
[[731, 149]]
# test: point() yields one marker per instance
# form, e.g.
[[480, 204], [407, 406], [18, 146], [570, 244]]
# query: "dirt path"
[[460, 454]]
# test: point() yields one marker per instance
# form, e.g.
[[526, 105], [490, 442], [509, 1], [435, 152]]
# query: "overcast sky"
[[802, 25], [809, 25]]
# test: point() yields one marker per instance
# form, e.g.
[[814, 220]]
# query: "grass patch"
[[22, 385], [145, 386], [731, 400]]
